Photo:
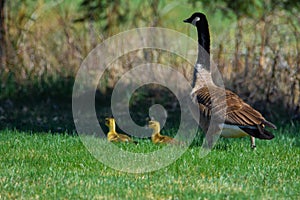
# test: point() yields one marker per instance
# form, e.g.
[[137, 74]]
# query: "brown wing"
[[234, 109], [113, 137], [240, 113], [125, 138], [158, 138]]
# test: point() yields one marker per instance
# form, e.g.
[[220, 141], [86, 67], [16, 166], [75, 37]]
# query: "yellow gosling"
[[156, 137], [112, 135]]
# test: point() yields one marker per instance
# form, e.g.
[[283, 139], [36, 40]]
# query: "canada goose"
[[112, 135], [240, 118], [156, 137]]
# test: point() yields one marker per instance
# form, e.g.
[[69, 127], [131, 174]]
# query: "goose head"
[[196, 19]]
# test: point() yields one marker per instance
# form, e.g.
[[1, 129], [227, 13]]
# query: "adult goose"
[[239, 118]]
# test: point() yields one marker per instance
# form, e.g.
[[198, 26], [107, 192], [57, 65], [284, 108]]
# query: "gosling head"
[[154, 125], [109, 122], [196, 18]]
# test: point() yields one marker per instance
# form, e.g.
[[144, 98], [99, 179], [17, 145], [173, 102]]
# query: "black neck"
[[204, 44]]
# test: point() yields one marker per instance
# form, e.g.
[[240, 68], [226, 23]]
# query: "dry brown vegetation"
[[264, 65]]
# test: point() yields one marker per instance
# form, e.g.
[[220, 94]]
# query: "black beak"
[[186, 21]]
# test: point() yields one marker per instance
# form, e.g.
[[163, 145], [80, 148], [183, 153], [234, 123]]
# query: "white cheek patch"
[[198, 67], [195, 20]]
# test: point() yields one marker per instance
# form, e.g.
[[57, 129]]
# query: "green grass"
[[50, 166]]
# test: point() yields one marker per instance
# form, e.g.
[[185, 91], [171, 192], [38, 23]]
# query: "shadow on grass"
[[52, 112], [42, 111]]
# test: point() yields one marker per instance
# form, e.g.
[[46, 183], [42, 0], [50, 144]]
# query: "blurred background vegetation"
[[255, 45]]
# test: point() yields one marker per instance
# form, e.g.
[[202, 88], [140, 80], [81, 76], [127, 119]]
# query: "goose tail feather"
[[259, 132], [269, 124]]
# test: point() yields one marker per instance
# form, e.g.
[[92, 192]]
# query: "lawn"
[[58, 166], [46, 48]]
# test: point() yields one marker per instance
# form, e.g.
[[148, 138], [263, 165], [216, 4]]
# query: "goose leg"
[[253, 146]]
